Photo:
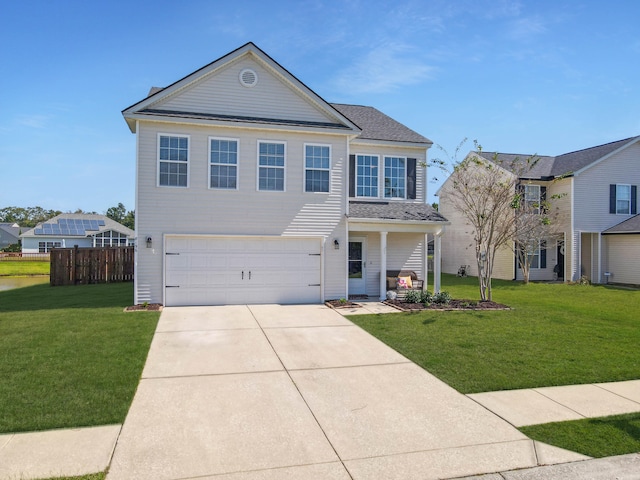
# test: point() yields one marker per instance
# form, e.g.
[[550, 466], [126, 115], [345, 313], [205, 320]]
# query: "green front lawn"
[[24, 267], [555, 334], [70, 356], [595, 437]]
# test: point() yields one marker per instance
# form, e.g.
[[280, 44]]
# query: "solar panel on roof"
[[38, 231], [101, 223]]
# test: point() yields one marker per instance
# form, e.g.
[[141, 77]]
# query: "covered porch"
[[390, 237]]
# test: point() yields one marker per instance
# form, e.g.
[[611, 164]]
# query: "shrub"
[[412, 296], [426, 297], [443, 298]]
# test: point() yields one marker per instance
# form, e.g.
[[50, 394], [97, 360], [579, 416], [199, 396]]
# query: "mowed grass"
[[555, 334], [24, 267], [595, 437], [70, 356]]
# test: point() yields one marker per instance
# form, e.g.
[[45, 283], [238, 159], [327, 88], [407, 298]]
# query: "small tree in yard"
[[534, 225], [486, 194]]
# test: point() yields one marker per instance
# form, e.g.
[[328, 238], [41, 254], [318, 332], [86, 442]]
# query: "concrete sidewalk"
[[275, 391], [558, 404]]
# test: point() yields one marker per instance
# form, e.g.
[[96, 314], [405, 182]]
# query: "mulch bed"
[[341, 304], [151, 307], [453, 305]]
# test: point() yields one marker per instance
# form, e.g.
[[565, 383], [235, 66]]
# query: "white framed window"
[[623, 199], [173, 160], [532, 198], [317, 165], [45, 247], [367, 175], [271, 166], [110, 239], [395, 177], [223, 163]]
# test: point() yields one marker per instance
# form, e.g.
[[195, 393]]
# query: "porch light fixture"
[[336, 244], [149, 242]]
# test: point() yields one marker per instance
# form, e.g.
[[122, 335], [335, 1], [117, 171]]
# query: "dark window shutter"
[[612, 198], [411, 178], [543, 199], [543, 254], [352, 175], [634, 202]]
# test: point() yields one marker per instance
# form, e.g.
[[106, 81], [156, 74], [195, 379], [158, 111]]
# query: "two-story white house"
[[251, 188], [594, 190]]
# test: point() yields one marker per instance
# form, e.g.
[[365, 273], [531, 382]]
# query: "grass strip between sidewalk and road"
[[595, 437], [70, 356], [91, 476]]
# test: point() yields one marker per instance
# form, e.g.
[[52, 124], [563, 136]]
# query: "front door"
[[357, 266], [560, 256]]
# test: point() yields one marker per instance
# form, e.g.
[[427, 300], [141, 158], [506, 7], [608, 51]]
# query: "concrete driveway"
[[299, 392]]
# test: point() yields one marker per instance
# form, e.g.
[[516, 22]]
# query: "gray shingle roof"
[[541, 166], [631, 225], [566, 164], [376, 125], [394, 211]]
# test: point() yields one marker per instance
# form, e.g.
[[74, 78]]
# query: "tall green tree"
[[121, 215]]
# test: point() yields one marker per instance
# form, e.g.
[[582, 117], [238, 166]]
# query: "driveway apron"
[[298, 392]]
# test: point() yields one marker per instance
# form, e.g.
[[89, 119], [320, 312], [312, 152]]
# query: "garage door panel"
[[241, 270]]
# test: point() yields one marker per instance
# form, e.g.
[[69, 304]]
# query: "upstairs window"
[[367, 175], [532, 198], [223, 163], [317, 164], [395, 177], [622, 199], [173, 161], [271, 164]]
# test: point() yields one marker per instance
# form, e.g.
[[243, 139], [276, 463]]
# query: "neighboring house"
[[594, 190], [622, 247], [9, 234], [71, 229], [251, 188]]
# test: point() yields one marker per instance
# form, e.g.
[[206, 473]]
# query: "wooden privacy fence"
[[71, 266]]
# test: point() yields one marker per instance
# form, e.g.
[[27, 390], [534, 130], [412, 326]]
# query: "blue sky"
[[546, 77]]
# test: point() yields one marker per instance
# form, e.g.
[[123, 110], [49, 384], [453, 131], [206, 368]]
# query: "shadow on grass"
[[45, 297]]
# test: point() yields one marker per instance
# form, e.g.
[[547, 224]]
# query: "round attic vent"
[[248, 78]]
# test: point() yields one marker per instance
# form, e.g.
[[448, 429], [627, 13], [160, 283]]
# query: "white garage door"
[[203, 270]]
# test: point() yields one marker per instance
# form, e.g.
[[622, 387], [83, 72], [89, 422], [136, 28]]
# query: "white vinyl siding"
[[173, 160], [317, 171], [622, 258], [591, 190], [223, 166], [271, 166], [270, 98], [245, 211]]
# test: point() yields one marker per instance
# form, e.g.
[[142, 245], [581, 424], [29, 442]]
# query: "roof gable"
[[219, 92]]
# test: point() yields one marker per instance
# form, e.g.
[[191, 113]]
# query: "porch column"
[[426, 262], [437, 258], [383, 266]]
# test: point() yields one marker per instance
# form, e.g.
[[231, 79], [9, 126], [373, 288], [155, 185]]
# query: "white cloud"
[[384, 69], [527, 28]]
